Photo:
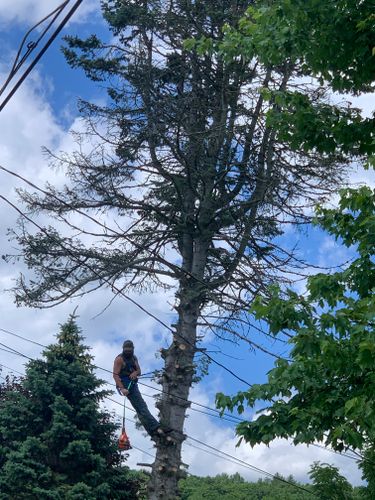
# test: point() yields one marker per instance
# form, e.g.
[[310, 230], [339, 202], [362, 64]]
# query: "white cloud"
[[29, 12], [360, 177], [28, 123], [366, 103]]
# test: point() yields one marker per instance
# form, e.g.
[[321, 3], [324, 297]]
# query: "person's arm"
[[117, 365], [136, 373]]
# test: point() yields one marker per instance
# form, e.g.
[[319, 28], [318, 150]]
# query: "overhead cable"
[[41, 53]]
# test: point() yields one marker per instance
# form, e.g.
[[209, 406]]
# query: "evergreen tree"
[[55, 440], [367, 465]]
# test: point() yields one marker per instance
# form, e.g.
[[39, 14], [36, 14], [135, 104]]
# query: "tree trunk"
[[176, 380]]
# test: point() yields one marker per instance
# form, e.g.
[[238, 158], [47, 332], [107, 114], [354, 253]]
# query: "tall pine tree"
[[55, 440]]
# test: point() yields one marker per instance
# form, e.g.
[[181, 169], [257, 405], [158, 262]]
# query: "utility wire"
[[12, 369], [132, 409], [226, 456], [217, 413], [236, 461], [41, 53], [31, 46], [143, 451], [13, 351], [21, 337], [7, 350], [226, 417], [346, 455]]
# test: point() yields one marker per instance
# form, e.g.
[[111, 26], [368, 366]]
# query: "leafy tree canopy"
[[325, 480], [234, 487], [329, 484], [330, 40], [333, 40], [326, 391]]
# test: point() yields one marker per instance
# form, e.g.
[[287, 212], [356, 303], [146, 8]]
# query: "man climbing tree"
[[126, 371], [200, 159]]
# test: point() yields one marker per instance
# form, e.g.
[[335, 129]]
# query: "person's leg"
[[148, 421]]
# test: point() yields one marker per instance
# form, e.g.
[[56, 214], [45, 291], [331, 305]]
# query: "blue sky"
[[42, 113]]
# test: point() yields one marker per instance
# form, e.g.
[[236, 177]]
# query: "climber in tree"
[[126, 371]]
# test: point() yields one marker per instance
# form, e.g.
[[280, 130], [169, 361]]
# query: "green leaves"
[[331, 41], [327, 390], [334, 41], [328, 484], [234, 487], [366, 354]]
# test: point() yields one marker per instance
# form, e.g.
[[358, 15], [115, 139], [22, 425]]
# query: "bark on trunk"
[[177, 380]]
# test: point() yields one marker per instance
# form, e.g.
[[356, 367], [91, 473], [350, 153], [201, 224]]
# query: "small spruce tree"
[[55, 440]]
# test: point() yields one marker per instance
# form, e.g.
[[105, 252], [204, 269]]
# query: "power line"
[[12, 369], [41, 53], [237, 461], [223, 455], [21, 337], [13, 351], [143, 451], [226, 417], [253, 467], [148, 395], [219, 453], [226, 456], [346, 455], [218, 414], [7, 350], [31, 46]]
